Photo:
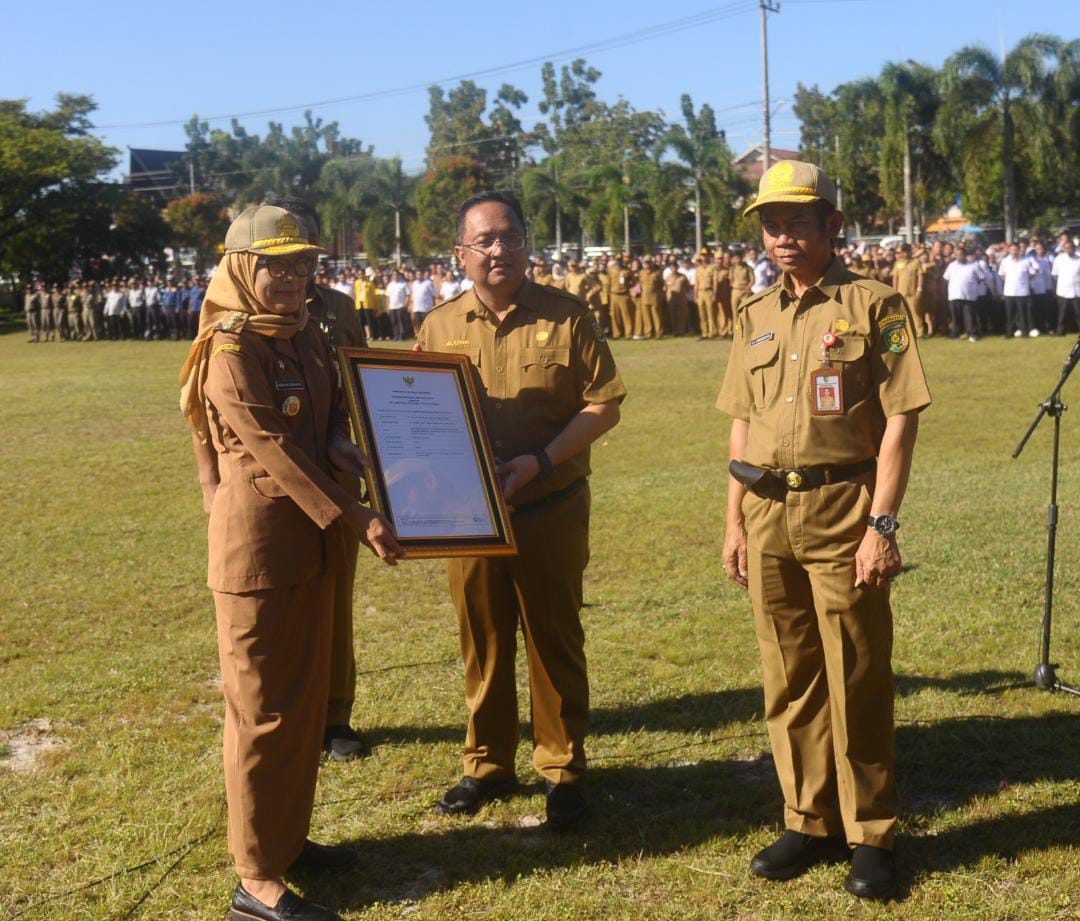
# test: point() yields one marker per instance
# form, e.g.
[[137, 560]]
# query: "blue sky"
[[154, 62]]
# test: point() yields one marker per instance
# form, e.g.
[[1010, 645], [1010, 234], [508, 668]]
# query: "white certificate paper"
[[422, 436]]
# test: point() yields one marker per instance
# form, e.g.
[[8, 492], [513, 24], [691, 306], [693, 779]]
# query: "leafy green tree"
[[52, 171], [199, 221], [702, 148], [448, 183], [982, 96]]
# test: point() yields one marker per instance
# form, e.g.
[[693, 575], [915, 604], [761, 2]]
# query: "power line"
[[649, 33]]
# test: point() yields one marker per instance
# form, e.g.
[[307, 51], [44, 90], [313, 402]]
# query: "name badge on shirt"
[[826, 392], [288, 385]]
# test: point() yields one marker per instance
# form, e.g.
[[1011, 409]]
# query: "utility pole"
[[191, 175], [767, 7], [836, 178]]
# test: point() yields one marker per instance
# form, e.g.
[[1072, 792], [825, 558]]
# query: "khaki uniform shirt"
[[907, 278], [32, 301], [534, 371], [742, 276], [604, 280], [678, 289], [582, 286], [652, 286], [620, 280], [275, 517], [705, 281], [335, 314], [542, 278], [778, 344]]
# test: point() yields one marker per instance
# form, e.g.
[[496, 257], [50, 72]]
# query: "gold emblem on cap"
[[780, 176], [543, 336], [291, 406], [794, 480], [841, 326], [287, 227]]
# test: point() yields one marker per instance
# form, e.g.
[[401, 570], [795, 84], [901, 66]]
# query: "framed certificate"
[[432, 473]]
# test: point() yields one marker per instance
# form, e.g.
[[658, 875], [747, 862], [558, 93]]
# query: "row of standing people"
[[88, 311]]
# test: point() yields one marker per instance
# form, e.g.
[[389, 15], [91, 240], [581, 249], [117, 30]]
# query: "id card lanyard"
[[826, 382]]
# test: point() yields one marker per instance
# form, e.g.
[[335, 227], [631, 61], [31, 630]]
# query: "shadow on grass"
[[989, 681], [655, 812]]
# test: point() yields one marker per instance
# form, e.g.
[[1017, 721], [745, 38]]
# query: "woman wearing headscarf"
[[260, 393]]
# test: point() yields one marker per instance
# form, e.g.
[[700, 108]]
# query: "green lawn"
[[106, 632]]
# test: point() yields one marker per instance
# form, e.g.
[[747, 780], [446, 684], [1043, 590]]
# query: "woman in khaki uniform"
[[259, 390]]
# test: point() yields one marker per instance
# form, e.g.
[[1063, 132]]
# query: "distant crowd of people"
[[960, 290]]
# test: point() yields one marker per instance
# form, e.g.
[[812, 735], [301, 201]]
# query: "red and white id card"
[[826, 392]]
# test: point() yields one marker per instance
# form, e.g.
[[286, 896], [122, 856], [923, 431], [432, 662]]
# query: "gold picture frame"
[[432, 472]]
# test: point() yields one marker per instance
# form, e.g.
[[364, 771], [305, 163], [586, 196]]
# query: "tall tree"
[[982, 93], [702, 148]]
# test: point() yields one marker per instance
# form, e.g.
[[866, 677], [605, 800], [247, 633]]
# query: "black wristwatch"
[[885, 525], [547, 468]]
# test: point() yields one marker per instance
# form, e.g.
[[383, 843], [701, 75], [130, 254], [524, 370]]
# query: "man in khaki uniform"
[[73, 312], [540, 273], [677, 290], [335, 314], [907, 278], [32, 301], [650, 314], [824, 387], [620, 280], [548, 388], [742, 280], [57, 307], [705, 295]]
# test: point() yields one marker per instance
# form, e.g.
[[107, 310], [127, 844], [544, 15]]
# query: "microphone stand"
[[1045, 672]]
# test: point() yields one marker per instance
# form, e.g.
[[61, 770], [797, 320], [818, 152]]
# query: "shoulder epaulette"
[[233, 323]]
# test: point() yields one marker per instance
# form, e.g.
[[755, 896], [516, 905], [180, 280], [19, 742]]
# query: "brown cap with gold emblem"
[[269, 231], [795, 182]]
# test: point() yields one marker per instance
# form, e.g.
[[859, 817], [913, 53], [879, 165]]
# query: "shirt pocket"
[[853, 362], [267, 487], [761, 363], [544, 370]]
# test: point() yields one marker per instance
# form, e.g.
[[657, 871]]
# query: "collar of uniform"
[[828, 284], [527, 295]]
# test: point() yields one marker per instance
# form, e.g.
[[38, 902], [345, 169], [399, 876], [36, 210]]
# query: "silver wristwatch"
[[885, 525]]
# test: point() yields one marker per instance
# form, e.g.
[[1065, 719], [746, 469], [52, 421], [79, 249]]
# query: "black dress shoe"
[[566, 807], [795, 853], [290, 907], [343, 743], [316, 857], [470, 794], [873, 873]]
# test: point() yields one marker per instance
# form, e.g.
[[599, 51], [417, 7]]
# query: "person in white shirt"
[[136, 305], [116, 306], [1066, 273], [1042, 286], [763, 271], [397, 297], [963, 275], [451, 287], [1017, 271], [152, 300], [423, 299]]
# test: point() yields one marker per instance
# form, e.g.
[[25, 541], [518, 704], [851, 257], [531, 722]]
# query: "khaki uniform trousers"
[[33, 324], [649, 321], [342, 655], [724, 322], [738, 295], [707, 319], [538, 591], [274, 647], [826, 648], [622, 316], [680, 316], [923, 311], [91, 330]]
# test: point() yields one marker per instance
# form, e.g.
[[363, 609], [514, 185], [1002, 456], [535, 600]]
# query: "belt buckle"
[[794, 479]]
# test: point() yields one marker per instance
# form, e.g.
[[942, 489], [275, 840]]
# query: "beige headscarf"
[[231, 301]]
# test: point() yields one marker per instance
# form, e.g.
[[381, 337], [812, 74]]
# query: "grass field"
[[108, 666]]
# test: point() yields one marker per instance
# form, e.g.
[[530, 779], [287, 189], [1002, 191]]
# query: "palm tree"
[[702, 148], [392, 190], [548, 195], [975, 81]]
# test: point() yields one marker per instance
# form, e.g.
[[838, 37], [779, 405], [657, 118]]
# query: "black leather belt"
[[775, 484], [552, 498]]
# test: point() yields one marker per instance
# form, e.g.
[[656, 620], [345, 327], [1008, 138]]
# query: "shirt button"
[[498, 444], [498, 368], [786, 444], [794, 356], [790, 399], [498, 405]]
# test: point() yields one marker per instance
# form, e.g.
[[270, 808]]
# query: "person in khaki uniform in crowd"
[[260, 393], [55, 304], [724, 320], [73, 309], [677, 290], [335, 314], [620, 281], [928, 307], [32, 299], [540, 273], [603, 276], [548, 388], [907, 278], [650, 314], [742, 280], [90, 296], [705, 294], [824, 387]]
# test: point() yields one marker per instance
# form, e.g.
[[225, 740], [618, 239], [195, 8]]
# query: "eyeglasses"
[[512, 244], [277, 268]]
